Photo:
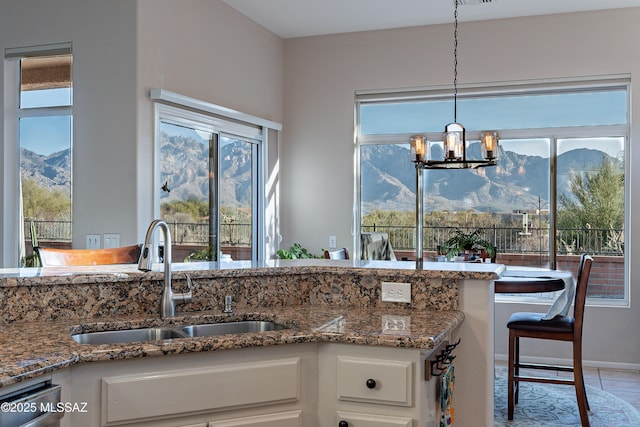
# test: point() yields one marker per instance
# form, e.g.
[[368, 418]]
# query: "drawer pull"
[[343, 423], [371, 383]]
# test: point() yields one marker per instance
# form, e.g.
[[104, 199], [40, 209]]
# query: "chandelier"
[[454, 146], [454, 143]]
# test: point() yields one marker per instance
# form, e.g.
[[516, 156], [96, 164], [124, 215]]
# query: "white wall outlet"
[[396, 292], [333, 242], [93, 241], [111, 240]]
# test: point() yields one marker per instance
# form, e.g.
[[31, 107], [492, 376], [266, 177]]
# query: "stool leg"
[[516, 369], [510, 379], [578, 377]]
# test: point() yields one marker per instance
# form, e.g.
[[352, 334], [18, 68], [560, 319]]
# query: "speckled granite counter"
[[330, 301]]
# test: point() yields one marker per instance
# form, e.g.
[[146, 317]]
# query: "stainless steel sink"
[[128, 335], [242, 327], [167, 332]]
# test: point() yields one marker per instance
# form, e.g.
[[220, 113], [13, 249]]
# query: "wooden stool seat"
[[534, 322]]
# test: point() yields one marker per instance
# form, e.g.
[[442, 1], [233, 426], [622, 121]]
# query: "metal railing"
[[231, 233], [597, 241]]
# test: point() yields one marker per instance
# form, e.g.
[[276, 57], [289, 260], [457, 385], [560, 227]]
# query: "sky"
[[509, 112], [50, 134], [47, 135]]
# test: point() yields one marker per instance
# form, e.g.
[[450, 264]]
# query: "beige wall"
[[205, 50], [103, 38], [122, 48], [322, 73]]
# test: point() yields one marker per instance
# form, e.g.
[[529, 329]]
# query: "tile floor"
[[622, 383]]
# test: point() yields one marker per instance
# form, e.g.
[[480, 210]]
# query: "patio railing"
[[507, 239]]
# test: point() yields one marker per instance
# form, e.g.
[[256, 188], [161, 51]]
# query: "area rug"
[[549, 405]]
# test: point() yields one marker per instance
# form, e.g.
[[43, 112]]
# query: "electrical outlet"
[[93, 241], [333, 242], [396, 292], [111, 240]]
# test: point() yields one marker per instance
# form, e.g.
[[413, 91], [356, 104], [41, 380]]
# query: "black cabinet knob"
[[371, 383], [343, 423]]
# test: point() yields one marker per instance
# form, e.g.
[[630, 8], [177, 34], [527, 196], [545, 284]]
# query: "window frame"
[[12, 115], [222, 127], [553, 133]]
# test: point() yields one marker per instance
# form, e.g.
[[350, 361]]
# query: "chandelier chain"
[[455, 62]]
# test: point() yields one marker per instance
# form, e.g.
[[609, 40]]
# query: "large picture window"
[[558, 189]]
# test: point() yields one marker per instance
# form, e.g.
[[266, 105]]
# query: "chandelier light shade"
[[454, 139]]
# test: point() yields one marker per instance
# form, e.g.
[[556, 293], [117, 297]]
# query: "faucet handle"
[[186, 296]]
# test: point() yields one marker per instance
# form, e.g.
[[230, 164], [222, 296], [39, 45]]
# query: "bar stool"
[[560, 328]]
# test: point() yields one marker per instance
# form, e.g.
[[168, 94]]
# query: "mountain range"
[[388, 176]]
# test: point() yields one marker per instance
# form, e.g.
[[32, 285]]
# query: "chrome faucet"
[[169, 298]]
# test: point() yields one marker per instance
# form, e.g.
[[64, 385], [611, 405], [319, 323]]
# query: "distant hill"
[[515, 183], [185, 169], [52, 171]]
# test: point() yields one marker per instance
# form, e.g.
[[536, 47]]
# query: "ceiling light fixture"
[[454, 142]]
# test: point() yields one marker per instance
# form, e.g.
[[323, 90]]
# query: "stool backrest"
[[337, 254], [582, 282]]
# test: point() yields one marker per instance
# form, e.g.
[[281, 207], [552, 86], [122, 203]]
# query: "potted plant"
[[295, 252], [467, 242]]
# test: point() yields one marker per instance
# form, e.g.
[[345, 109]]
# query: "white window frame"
[[11, 167], [223, 122], [553, 134]]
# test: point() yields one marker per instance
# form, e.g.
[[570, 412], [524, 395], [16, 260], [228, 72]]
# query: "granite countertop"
[[33, 348]]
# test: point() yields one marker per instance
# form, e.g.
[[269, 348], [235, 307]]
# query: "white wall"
[[322, 73]]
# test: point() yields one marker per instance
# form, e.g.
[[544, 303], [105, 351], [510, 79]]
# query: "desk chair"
[[51, 257], [337, 254], [560, 328]]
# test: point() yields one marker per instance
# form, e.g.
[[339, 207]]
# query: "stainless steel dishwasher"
[[33, 406]]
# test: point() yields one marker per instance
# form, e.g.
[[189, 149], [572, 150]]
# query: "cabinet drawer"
[[280, 419], [388, 382], [365, 420], [160, 394]]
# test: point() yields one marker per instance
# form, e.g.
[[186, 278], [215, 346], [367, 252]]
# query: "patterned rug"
[[551, 405]]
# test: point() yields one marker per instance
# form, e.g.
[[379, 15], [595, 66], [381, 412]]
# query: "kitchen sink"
[[128, 335], [178, 331], [243, 327]]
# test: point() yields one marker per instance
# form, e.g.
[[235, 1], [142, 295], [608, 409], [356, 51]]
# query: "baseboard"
[[568, 362]]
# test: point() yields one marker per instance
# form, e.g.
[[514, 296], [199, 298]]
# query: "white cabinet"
[[301, 385], [374, 387], [281, 419], [382, 381], [363, 420], [257, 387]]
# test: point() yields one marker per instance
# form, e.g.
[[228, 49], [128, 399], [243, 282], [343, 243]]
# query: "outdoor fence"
[[507, 239]]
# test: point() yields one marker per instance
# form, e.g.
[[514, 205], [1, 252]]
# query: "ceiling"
[[301, 18]]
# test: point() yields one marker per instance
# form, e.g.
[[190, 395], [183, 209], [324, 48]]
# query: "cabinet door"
[[279, 419], [127, 398], [365, 420]]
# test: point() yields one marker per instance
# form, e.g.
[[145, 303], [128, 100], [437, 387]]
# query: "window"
[[209, 185], [558, 189], [40, 124]]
